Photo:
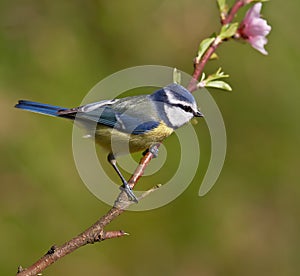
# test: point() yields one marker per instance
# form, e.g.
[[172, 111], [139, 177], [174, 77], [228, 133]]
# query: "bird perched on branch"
[[128, 124]]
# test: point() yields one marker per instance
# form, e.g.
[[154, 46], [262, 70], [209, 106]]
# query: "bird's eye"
[[187, 109]]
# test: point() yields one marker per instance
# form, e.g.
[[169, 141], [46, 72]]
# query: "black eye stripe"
[[186, 108]]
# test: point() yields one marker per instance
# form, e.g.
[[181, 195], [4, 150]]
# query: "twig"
[[95, 233], [199, 65], [233, 11]]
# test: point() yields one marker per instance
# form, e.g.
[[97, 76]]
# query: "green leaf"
[[176, 76], [213, 80], [202, 77], [219, 84], [218, 75], [221, 4], [227, 31], [223, 8], [204, 45], [214, 56]]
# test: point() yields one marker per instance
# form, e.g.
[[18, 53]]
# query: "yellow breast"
[[120, 142]]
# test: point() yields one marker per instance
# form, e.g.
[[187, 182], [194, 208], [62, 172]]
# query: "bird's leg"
[[112, 160]]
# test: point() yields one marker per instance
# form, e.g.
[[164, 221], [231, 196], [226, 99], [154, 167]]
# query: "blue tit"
[[138, 122]]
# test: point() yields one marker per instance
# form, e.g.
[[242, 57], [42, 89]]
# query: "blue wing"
[[114, 114], [120, 121]]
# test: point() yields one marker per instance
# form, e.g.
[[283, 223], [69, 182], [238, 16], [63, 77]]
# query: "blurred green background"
[[56, 51]]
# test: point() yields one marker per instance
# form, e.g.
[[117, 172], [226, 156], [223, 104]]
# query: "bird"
[[130, 124]]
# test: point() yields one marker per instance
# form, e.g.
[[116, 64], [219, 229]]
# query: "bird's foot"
[[126, 188], [153, 149]]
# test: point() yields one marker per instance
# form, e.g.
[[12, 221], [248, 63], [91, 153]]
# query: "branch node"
[[98, 237], [115, 234], [51, 250], [122, 201], [20, 269]]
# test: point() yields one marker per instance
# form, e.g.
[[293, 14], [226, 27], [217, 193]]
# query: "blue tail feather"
[[46, 109]]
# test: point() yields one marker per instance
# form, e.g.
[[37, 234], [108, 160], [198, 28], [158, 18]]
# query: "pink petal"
[[254, 29], [254, 12], [258, 26], [258, 43]]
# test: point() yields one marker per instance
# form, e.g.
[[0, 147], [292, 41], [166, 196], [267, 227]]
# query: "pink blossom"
[[254, 29]]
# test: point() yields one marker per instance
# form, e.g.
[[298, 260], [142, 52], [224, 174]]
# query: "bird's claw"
[[153, 149], [126, 188]]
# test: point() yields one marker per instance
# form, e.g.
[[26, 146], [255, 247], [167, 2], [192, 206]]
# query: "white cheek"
[[177, 116]]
